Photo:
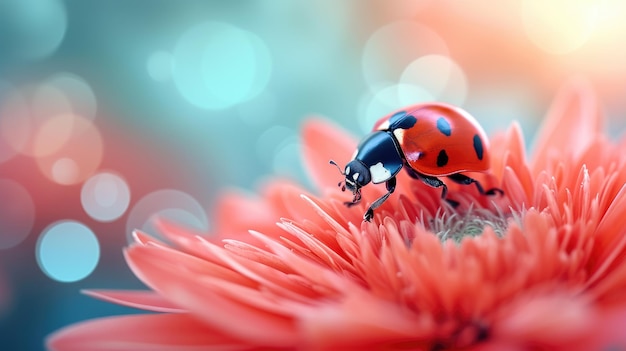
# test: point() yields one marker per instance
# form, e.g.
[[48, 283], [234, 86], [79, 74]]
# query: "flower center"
[[450, 225]]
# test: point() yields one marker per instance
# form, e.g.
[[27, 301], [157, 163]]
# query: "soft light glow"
[[53, 134], [393, 47], [258, 111], [405, 8], [77, 91], [560, 26], [384, 101], [7, 151], [176, 215], [440, 76], [105, 196], [37, 27], [217, 65], [67, 251], [47, 101], [17, 213], [288, 159], [167, 204], [271, 140], [64, 171], [38, 120], [159, 66], [15, 121], [78, 158]]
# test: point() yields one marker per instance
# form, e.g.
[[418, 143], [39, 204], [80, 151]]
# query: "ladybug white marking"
[[384, 126], [355, 176], [379, 173], [399, 134]]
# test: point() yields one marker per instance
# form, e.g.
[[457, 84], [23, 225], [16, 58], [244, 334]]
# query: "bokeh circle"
[[34, 28], [217, 65], [67, 251], [78, 157], [105, 196], [173, 206], [393, 47]]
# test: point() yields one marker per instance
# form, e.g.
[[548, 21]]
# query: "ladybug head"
[[357, 175]]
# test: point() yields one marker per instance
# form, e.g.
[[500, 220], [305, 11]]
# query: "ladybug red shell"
[[428, 140], [444, 140]]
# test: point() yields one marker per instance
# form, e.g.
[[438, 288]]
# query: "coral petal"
[[546, 320], [350, 325], [610, 248], [145, 300], [237, 212], [608, 333], [572, 123], [157, 332], [142, 238], [219, 310], [184, 262]]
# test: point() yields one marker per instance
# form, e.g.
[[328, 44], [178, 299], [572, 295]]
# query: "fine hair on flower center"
[[452, 225]]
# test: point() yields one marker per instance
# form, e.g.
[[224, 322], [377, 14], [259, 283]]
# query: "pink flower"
[[541, 267]]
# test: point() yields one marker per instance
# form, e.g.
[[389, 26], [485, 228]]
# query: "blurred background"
[[114, 112]]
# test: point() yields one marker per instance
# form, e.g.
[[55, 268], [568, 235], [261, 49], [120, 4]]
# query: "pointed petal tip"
[[141, 299], [141, 238], [572, 122]]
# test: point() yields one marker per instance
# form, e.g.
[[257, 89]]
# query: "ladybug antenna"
[[341, 184], [339, 168]]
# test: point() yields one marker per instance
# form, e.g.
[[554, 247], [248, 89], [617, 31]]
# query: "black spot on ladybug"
[[444, 126], [396, 117], [400, 120], [407, 122], [478, 147], [442, 158]]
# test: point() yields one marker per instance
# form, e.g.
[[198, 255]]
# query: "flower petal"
[[608, 332], [363, 320], [511, 157], [545, 320], [324, 141], [145, 300], [279, 198], [155, 332], [237, 212], [609, 250], [572, 123], [170, 278]]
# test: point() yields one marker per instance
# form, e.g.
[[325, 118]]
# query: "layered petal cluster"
[[541, 267]]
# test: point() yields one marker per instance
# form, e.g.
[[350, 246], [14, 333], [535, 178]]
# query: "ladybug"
[[429, 141]]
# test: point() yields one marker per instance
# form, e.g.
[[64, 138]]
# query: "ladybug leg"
[[391, 186], [438, 183], [429, 180], [435, 183], [355, 200], [465, 180]]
